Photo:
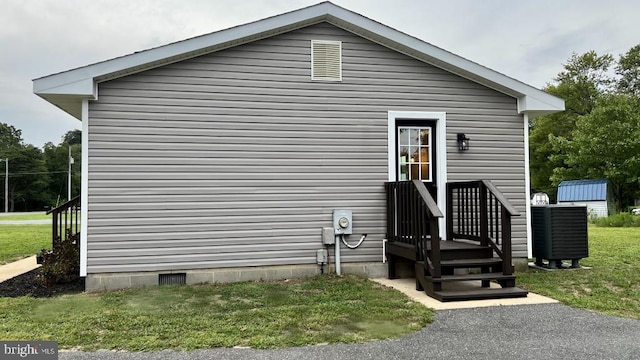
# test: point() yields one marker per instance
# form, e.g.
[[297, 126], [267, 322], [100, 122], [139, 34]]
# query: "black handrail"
[[412, 218], [65, 222], [478, 211]]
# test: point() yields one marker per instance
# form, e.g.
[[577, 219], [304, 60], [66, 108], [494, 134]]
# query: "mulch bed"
[[27, 284]]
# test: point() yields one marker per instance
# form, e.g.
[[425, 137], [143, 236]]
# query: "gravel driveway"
[[551, 331]]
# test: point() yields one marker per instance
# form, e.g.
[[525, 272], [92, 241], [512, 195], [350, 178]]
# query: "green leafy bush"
[[618, 220], [61, 265]]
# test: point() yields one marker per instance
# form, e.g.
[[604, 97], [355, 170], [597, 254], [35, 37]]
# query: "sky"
[[528, 40]]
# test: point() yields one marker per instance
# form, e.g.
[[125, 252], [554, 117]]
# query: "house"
[[596, 195], [223, 157]]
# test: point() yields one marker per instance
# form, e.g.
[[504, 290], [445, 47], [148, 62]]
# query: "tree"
[[606, 144], [73, 137], [584, 79], [28, 178], [598, 136], [10, 138], [57, 162], [628, 69]]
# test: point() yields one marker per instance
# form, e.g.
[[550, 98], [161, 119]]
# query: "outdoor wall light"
[[463, 142]]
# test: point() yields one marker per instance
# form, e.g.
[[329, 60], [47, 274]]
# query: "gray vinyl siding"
[[237, 158]]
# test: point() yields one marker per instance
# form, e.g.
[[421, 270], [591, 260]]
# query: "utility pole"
[[70, 162], [6, 184]]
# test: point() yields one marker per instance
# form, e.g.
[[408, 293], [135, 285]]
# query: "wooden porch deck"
[[479, 224]]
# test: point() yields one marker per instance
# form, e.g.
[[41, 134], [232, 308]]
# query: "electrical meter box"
[[342, 222]]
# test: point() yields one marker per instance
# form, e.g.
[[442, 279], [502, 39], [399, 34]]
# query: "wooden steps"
[[470, 277], [462, 263], [470, 265], [479, 294]]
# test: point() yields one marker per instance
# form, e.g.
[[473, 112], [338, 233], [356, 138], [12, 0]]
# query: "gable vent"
[[326, 60]]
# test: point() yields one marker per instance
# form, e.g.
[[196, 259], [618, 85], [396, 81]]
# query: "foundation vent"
[[326, 60], [172, 279]]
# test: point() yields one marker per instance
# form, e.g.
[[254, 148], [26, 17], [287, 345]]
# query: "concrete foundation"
[[116, 281], [521, 264]]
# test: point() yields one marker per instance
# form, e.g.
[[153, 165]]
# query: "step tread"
[[464, 277], [471, 262], [480, 293]]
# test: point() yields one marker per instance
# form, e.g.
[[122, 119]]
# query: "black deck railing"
[[65, 222], [412, 218], [478, 211]]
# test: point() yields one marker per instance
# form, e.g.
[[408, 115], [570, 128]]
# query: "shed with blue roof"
[[595, 194]]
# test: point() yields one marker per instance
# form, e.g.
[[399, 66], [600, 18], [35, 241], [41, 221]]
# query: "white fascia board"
[[534, 104], [84, 87]]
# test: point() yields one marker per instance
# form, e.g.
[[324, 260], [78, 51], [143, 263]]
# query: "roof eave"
[[81, 82]]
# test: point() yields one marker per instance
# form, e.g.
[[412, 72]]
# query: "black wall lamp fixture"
[[463, 142]]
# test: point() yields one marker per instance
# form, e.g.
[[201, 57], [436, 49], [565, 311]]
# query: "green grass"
[[20, 241], [617, 220], [32, 216], [318, 310], [611, 286]]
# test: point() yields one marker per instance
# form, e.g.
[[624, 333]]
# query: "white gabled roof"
[[67, 89]]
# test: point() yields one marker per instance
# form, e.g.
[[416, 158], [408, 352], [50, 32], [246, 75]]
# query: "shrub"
[[62, 265], [618, 220]]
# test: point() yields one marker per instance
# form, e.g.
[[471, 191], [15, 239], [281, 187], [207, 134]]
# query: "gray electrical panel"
[[342, 222], [321, 256], [328, 236]]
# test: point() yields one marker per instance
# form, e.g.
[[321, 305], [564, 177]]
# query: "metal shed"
[[594, 194]]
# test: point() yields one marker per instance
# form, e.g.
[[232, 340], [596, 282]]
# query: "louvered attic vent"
[[326, 60]]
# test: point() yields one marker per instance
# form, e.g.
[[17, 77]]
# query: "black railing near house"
[[478, 211], [412, 218], [65, 222]]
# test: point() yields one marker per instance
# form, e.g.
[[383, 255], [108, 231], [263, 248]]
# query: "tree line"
[[38, 178], [598, 135]]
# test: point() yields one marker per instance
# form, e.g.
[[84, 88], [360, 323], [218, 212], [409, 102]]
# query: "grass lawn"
[[318, 310], [32, 216], [611, 286], [20, 241]]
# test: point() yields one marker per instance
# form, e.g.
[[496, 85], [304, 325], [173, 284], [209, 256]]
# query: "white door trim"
[[441, 153]]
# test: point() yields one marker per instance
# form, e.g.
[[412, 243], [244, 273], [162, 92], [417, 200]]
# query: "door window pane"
[[415, 172], [414, 153], [425, 170], [424, 154]]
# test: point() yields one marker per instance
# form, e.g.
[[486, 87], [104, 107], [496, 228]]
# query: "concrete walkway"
[[408, 287], [17, 268]]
